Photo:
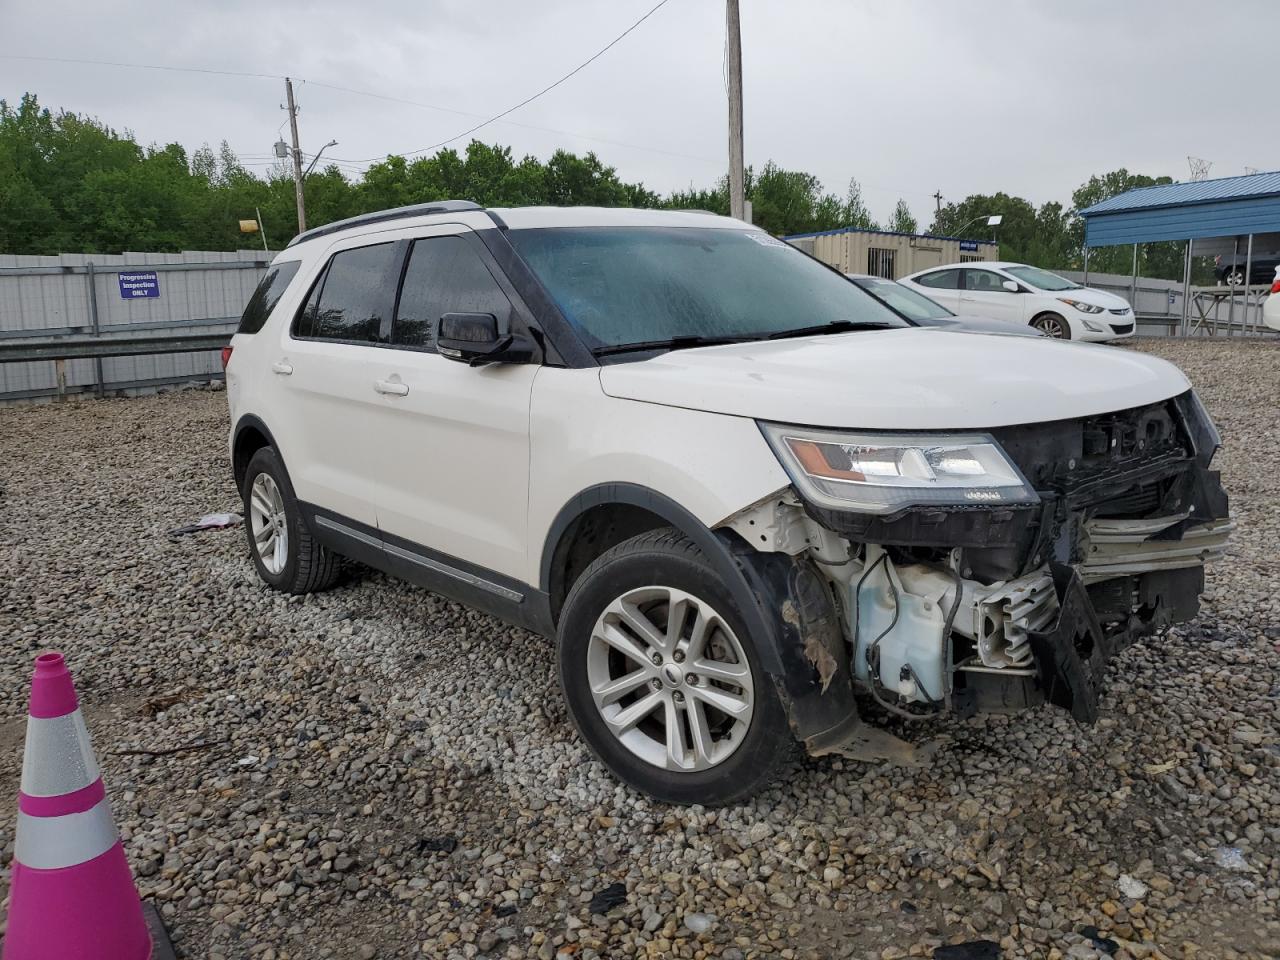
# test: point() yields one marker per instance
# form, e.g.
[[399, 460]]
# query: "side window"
[[941, 280], [984, 281], [444, 275], [348, 299], [270, 289]]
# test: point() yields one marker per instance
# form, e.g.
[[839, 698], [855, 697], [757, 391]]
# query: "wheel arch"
[[783, 601], [250, 436], [635, 509], [1040, 314]]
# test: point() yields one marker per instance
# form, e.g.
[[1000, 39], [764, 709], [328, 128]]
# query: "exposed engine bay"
[[997, 607]]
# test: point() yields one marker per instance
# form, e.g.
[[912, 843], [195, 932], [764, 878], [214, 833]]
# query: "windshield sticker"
[[765, 240]]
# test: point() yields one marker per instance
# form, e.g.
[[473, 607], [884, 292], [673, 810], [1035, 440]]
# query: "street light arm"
[[316, 158], [981, 216]]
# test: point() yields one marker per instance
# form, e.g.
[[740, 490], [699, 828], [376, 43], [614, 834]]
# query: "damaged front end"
[[1045, 550]]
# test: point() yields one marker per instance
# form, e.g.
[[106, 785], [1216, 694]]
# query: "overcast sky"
[[908, 96]]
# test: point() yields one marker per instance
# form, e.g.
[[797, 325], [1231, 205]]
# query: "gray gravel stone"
[[381, 715]]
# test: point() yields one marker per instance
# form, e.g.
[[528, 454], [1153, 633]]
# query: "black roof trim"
[[379, 216]]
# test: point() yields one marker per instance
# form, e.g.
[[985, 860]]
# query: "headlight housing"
[[1080, 305], [882, 473]]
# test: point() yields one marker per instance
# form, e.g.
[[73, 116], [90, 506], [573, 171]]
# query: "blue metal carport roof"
[[1228, 207]]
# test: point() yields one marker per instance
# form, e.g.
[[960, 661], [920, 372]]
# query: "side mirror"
[[474, 339], [1010, 286]]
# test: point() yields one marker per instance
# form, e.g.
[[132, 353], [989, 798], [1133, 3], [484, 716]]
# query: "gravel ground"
[[377, 772]]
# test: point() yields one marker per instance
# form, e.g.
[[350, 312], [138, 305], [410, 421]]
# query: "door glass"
[[444, 275], [983, 281], [347, 302], [941, 280]]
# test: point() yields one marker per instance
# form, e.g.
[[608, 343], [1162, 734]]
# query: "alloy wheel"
[[670, 679], [1051, 326], [269, 523]]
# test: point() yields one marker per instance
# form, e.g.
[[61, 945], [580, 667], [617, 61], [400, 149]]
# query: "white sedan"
[[1022, 294], [1271, 305]]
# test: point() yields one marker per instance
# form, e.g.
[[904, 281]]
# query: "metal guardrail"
[[75, 348]]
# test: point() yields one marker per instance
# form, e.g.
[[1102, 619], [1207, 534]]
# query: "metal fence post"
[[99, 386], [1186, 290], [1248, 277], [1133, 294]]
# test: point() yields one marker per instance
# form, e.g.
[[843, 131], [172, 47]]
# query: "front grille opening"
[[1136, 502]]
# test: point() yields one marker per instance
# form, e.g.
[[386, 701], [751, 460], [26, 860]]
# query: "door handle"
[[393, 387], [282, 367]]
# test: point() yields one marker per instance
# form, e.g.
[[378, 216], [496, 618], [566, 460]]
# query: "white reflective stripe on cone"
[[50, 843], [58, 758]]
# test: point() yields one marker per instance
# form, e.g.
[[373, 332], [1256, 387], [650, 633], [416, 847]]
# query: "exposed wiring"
[[872, 647]]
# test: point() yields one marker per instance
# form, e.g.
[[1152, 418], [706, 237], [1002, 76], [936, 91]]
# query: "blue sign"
[[134, 285], [970, 246]]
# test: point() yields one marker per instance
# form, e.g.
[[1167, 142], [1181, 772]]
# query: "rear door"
[[942, 286], [321, 380], [454, 468], [984, 295]]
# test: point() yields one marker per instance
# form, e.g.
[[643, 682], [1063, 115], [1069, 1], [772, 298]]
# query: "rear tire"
[[284, 553], [1052, 325], [682, 711]]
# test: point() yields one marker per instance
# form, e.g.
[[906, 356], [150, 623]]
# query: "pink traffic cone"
[[72, 895]]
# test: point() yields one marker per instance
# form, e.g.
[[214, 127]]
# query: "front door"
[[453, 461]]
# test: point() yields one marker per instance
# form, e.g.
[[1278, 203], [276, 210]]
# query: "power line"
[[143, 66], [393, 99], [512, 123], [547, 89]]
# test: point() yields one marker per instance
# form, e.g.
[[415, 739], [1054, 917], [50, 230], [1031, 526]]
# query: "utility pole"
[[733, 40], [938, 200], [297, 156]]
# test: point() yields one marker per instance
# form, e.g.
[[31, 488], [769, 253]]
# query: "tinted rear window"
[[941, 279], [270, 289]]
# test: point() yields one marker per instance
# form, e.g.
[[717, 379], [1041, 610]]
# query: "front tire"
[[284, 553], [663, 680], [1052, 325]]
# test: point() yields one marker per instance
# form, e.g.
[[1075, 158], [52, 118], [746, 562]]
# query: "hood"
[[968, 323], [1098, 298], [907, 379]]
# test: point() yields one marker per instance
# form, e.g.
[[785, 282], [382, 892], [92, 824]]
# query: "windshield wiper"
[[671, 343], [835, 326]]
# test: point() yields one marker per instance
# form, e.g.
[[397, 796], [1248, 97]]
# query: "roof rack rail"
[[378, 216]]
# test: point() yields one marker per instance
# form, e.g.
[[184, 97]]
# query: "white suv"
[[1020, 294], [735, 488]]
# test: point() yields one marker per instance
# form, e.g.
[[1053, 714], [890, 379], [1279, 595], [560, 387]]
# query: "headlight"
[[882, 473], [1082, 307]]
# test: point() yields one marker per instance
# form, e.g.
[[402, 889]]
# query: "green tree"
[[855, 212], [903, 221]]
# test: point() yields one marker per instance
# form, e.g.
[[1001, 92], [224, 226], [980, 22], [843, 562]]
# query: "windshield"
[[624, 285], [1041, 279], [912, 305]]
